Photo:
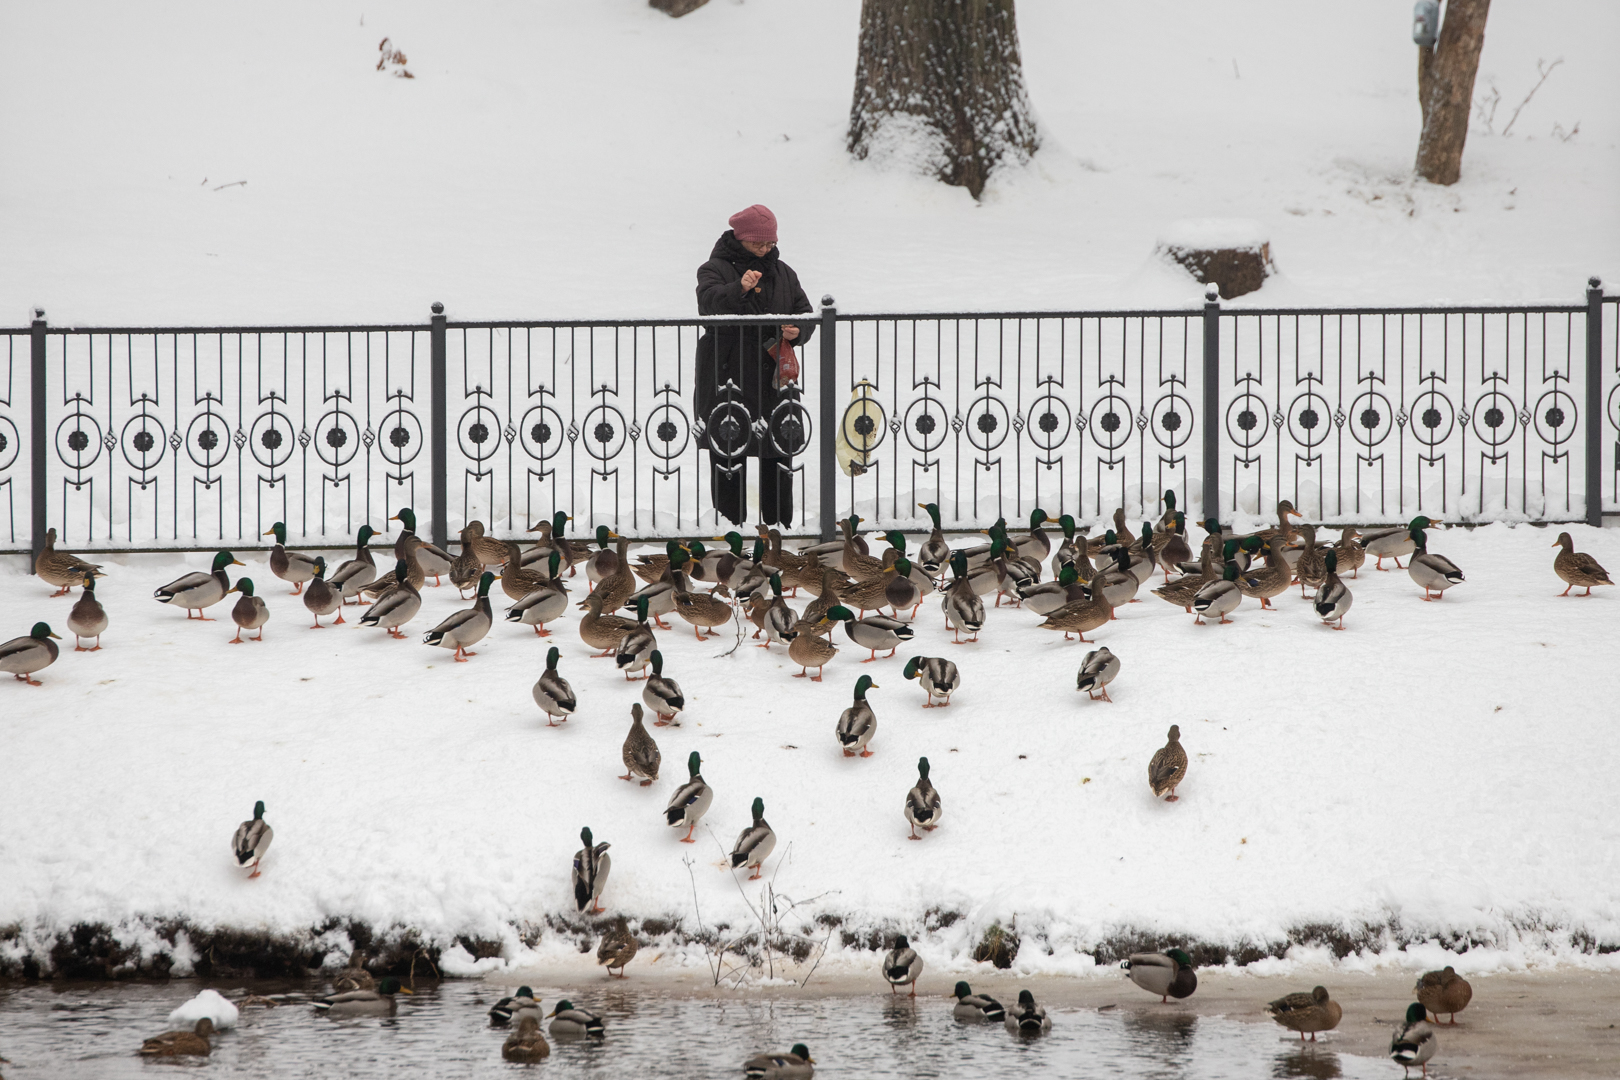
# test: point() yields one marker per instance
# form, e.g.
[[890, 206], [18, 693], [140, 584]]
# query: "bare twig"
[[1560, 134], [1485, 109], [233, 183], [1545, 71], [736, 617]]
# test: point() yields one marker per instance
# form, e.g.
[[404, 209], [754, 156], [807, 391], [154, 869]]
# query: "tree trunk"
[[1446, 89], [942, 77]]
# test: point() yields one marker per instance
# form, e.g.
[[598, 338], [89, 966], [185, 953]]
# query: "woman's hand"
[[789, 331], [750, 279]]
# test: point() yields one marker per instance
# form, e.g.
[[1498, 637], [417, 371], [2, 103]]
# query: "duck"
[[703, 611], [1035, 544], [1018, 573], [526, 1045], [937, 676], [1169, 974], [23, 656], [552, 693], [252, 840], [690, 801], [62, 569], [413, 572], [1443, 991], [1350, 552], [320, 598], [1172, 544], [640, 754], [870, 594], [1333, 595], [961, 604], [352, 1003], [546, 604], [1182, 590], [249, 612], [876, 632], [354, 976], [775, 619], [1273, 579], [853, 560], [1434, 573], [569, 1021], [1218, 598], [662, 694], [1215, 542], [904, 586], [1167, 519], [796, 1064], [356, 573], [902, 966], [601, 631], [976, 1008], [1574, 568], [618, 948], [717, 565], [1393, 542], [488, 550], [605, 561], [634, 650], [517, 580], [465, 567], [1413, 1042], [397, 605], [87, 618], [989, 575], [590, 873], [1310, 569], [1304, 1013], [1118, 581], [660, 595], [1143, 559], [1045, 597], [1168, 767], [651, 568], [756, 580], [1097, 670], [1027, 1018], [1082, 615], [433, 559], [813, 578], [197, 591], [777, 557], [290, 566], [1284, 531], [1067, 550], [828, 593], [193, 1043], [979, 554], [809, 649], [755, 843], [466, 627], [934, 554], [552, 539], [618, 586], [858, 723], [923, 809]]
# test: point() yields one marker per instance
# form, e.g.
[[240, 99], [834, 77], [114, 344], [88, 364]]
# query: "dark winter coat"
[[738, 353]]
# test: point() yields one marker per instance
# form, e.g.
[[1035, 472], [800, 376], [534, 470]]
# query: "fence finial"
[[39, 312], [1212, 293], [828, 301], [1593, 282], [438, 308]]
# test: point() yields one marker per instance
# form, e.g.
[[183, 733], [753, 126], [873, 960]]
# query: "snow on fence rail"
[[192, 437]]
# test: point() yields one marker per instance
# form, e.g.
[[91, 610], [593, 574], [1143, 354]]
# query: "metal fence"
[[193, 437]]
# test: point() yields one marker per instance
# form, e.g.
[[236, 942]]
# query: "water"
[[93, 1030]]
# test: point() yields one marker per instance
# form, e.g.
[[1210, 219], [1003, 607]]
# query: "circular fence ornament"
[[926, 424], [78, 441], [987, 423], [1555, 417], [541, 432], [1431, 418], [478, 434], [399, 436], [1246, 421], [1050, 421], [1371, 418], [1309, 419], [729, 430], [668, 430], [604, 430], [1172, 421], [864, 424], [336, 438], [271, 440], [790, 427], [8, 443], [206, 440]]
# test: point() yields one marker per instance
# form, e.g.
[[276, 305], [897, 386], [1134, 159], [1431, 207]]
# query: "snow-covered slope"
[[204, 163]]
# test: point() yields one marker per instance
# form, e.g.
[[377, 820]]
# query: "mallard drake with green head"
[[1027, 1018], [433, 559], [876, 632], [320, 598], [809, 648], [979, 554], [662, 694], [618, 947], [1169, 974], [640, 752], [252, 840], [961, 604], [546, 604], [1433, 573], [526, 1045], [1168, 768], [397, 605], [1018, 573], [601, 631], [356, 573], [858, 723], [590, 873], [1413, 1042], [901, 587], [902, 966], [249, 612], [796, 1064], [1443, 991], [1119, 582], [604, 562], [754, 844], [934, 554], [937, 676], [650, 568], [989, 576], [553, 538], [1333, 595], [552, 692], [775, 619], [660, 595], [414, 573], [1393, 542], [1167, 519], [290, 566], [1221, 597], [467, 627], [690, 801], [1067, 548], [1574, 568], [352, 1003], [1304, 1013], [634, 650], [976, 1008], [569, 1021], [88, 619], [1099, 668], [196, 591], [923, 808], [193, 1043], [1173, 549], [1035, 544], [522, 1004], [62, 569], [1045, 597], [1273, 579]]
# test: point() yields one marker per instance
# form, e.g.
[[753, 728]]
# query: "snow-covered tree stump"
[[1233, 254]]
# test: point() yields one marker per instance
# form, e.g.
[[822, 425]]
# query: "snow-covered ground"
[[206, 164], [1439, 770]]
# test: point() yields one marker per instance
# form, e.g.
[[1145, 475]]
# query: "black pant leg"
[[776, 490], [729, 485]]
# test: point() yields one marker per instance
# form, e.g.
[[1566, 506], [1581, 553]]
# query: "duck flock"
[[1086, 579]]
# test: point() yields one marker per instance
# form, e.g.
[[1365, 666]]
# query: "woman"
[[745, 275]]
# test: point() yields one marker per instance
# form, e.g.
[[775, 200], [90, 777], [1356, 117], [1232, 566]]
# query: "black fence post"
[[1594, 401], [38, 442], [441, 461], [829, 416], [1212, 402]]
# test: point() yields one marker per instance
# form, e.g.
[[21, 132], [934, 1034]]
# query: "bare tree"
[[947, 74], [1446, 73]]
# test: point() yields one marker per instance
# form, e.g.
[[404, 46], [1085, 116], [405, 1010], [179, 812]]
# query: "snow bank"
[[1209, 234], [209, 1003]]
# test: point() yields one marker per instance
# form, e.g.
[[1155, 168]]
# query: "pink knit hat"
[[756, 225]]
